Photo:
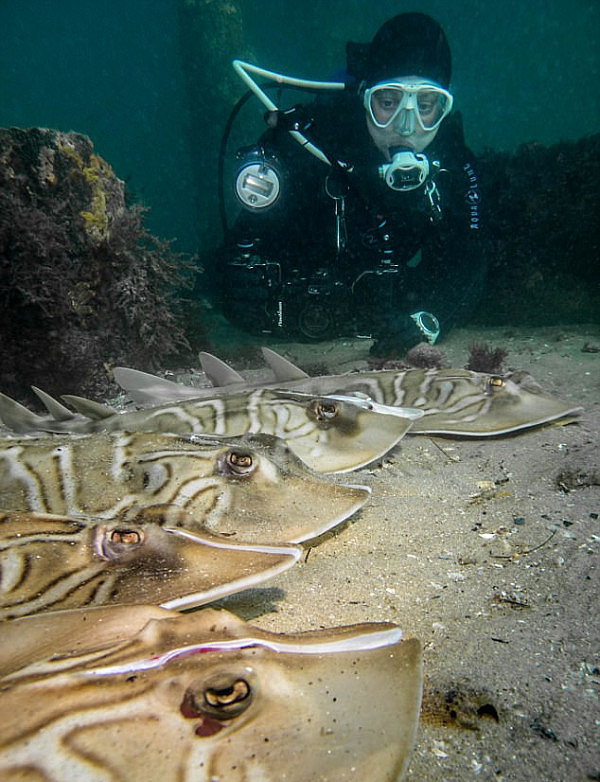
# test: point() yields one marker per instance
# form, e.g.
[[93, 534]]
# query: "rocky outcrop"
[[541, 207], [83, 285]]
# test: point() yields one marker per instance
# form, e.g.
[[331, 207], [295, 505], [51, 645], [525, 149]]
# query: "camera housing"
[[262, 297]]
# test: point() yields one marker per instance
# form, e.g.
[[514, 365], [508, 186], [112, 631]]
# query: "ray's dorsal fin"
[[134, 379], [283, 369], [57, 410], [218, 372], [146, 389], [18, 418], [87, 407]]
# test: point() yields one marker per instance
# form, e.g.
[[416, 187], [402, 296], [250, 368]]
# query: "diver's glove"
[[404, 332]]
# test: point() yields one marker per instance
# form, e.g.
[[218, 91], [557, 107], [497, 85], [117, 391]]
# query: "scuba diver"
[[361, 210]]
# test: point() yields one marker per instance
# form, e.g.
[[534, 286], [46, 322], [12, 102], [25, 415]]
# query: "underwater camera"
[[261, 298], [258, 299], [264, 295]]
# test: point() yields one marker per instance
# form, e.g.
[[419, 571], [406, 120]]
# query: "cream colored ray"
[[454, 402], [250, 489], [203, 697], [330, 434], [63, 635], [462, 403], [50, 562]]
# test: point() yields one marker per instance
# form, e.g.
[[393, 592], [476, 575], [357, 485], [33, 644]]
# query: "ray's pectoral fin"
[[489, 405], [329, 704], [53, 562], [350, 433]]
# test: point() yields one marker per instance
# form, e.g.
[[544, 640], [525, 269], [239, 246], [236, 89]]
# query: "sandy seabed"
[[487, 551]]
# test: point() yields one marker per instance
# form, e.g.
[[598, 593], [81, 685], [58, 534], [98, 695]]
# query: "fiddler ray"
[[142, 694], [329, 433], [50, 562], [453, 402], [251, 489]]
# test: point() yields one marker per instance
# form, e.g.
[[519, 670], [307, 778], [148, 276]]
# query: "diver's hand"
[[397, 337], [428, 325]]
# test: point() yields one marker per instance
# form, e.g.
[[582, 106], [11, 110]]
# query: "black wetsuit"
[[401, 255]]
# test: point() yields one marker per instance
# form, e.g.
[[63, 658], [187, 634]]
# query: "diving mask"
[[404, 102]]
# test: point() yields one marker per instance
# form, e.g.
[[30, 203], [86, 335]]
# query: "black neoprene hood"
[[411, 44]]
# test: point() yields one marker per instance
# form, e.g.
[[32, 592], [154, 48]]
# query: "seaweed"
[[83, 284], [421, 356], [425, 356], [484, 358]]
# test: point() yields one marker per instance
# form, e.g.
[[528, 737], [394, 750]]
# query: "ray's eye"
[[240, 460], [222, 699], [494, 383], [238, 463], [229, 697], [324, 412], [116, 543], [126, 537]]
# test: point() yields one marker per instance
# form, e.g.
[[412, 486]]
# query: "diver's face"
[[384, 138], [405, 112]]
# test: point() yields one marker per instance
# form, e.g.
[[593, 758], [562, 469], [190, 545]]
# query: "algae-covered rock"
[[83, 285], [541, 206]]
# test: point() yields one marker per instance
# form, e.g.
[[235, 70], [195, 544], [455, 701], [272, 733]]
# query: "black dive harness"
[[258, 181], [262, 293]]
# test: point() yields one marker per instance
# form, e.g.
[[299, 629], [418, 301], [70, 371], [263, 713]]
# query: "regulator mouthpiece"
[[406, 171]]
